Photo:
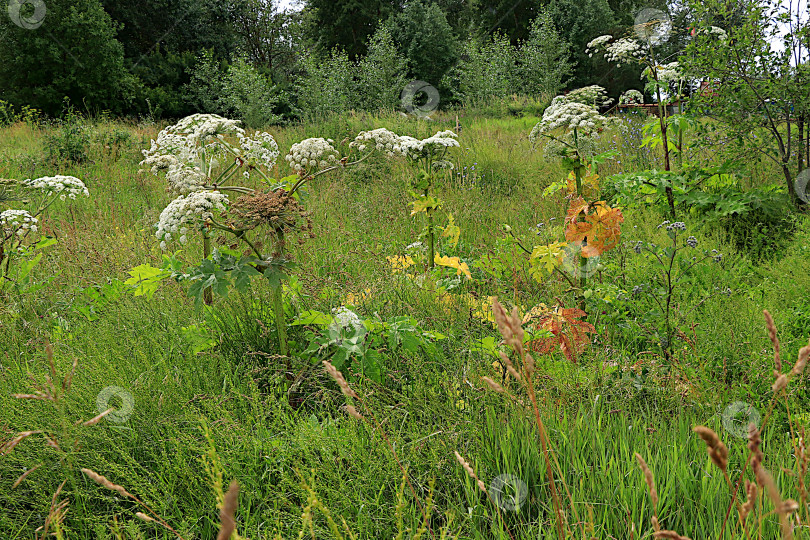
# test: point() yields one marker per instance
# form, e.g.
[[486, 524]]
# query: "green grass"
[[429, 406]]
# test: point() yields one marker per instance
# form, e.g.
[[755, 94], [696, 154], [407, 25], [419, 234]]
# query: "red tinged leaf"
[[569, 333]]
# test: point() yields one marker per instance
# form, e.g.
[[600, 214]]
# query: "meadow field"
[[194, 392]]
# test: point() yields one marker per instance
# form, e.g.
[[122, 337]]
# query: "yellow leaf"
[[545, 259], [425, 204], [453, 262], [400, 263], [452, 231]]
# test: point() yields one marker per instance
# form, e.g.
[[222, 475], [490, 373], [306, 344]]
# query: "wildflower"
[[637, 246], [677, 226], [312, 154], [260, 149], [435, 145], [65, 186], [381, 139], [187, 210], [631, 97], [344, 319], [692, 242], [570, 116], [17, 222], [666, 73], [184, 179]]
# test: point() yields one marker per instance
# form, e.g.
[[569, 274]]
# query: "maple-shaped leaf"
[[595, 226], [569, 333], [425, 204], [452, 231], [589, 181], [605, 231], [544, 259], [453, 262]]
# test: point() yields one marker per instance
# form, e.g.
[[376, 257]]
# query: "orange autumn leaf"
[[595, 226], [569, 333]]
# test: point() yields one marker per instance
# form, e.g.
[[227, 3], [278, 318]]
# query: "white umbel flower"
[[312, 154], [570, 116], [17, 222], [184, 179], [666, 73], [435, 145], [379, 139], [346, 319], [260, 149], [631, 97], [67, 187], [187, 211]]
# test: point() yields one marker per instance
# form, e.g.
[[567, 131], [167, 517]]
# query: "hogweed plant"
[[571, 123], [429, 159], [663, 80], [17, 225], [201, 156]]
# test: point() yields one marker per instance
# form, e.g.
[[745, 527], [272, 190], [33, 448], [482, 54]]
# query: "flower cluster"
[[676, 226], [184, 179], [198, 128], [631, 97], [185, 211], [189, 136], [622, 50], [17, 222], [314, 153], [666, 73], [381, 139], [67, 187], [596, 44], [594, 95], [345, 319], [261, 149], [434, 146], [570, 116]]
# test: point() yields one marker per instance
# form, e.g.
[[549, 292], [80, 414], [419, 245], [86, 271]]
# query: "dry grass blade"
[[495, 387], [99, 479], [96, 419], [777, 356], [338, 376], [144, 517], [672, 535], [226, 515], [470, 472], [24, 475], [801, 363], [718, 452], [10, 445]]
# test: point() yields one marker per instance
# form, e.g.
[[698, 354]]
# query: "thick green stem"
[[278, 316], [208, 294], [582, 260], [431, 245]]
